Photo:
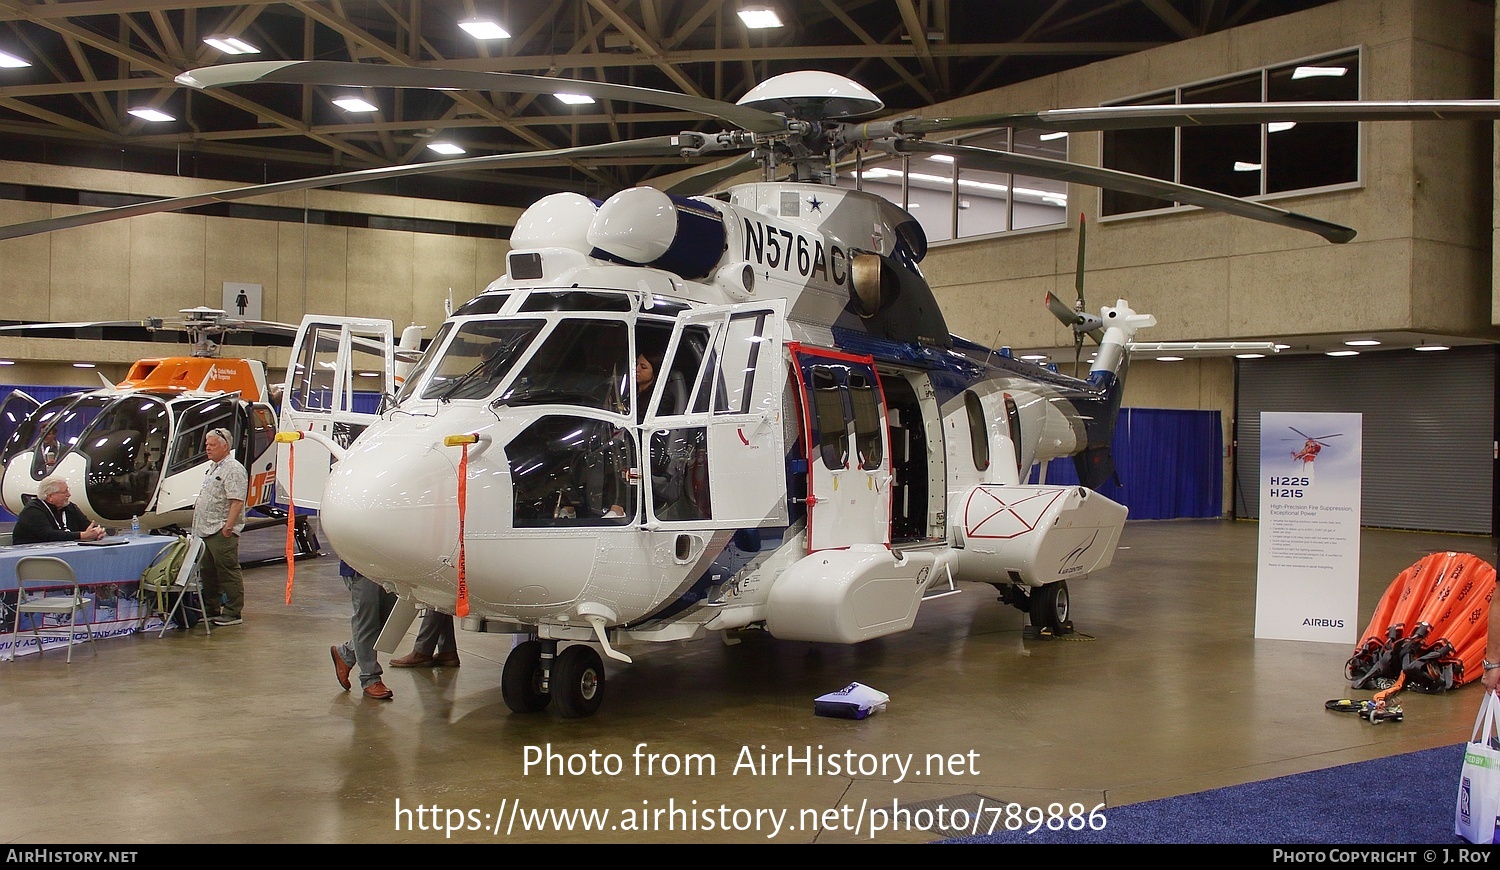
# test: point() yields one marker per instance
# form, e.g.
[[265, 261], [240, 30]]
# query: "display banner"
[[1307, 586]]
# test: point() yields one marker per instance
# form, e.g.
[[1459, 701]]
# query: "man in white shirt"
[[218, 518]]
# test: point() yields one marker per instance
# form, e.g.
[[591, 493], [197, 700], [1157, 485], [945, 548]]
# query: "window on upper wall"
[[954, 201], [1244, 159]]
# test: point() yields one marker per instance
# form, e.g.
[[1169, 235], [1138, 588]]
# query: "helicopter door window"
[[829, 423], [864, 399], [316, 368], [63, 433], [480, 356], [193, 424], [979, 439], [742, 341], [569, 471], [366, 375]]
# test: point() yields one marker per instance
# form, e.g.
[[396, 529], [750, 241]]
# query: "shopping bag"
[[1479, 783]]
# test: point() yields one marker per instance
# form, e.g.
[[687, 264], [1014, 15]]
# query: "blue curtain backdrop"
[[1169, 464]]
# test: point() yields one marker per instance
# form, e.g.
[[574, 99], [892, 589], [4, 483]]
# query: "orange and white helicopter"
[[677, 415], [134, 450]]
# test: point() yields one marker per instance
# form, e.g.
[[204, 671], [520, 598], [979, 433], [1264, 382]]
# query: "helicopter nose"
[[389, 510]]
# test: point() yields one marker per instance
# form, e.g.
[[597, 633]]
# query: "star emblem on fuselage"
[[815, 204]]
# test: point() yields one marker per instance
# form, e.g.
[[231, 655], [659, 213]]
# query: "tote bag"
[[1479, 783]]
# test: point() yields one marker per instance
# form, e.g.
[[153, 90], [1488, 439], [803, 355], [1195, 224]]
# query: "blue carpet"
[[1399, 799]]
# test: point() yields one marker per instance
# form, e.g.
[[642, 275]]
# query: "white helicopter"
[[680, 415]]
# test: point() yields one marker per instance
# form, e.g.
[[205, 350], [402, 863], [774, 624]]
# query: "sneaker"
[[225, 620]]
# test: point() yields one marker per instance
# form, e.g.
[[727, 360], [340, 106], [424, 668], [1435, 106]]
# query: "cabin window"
[[828, 418], [679, 474], [1244, 159], [484, 303], [979, 432], [29, 429], [569, 471], [479, 358], [865, 401]]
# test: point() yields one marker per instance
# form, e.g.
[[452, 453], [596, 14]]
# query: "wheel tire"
[[578, 682], [521, 680], [1049, 605]]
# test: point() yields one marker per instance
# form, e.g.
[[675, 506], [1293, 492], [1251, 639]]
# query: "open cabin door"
[[716, 458], [340, 369], [848, 455]]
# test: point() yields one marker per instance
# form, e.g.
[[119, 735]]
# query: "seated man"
[[52, 516]]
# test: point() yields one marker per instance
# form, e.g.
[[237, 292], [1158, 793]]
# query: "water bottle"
[[135, 527]]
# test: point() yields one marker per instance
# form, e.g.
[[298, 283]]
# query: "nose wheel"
[[532, 678]]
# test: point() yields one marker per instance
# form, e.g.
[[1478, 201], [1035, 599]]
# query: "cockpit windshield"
[[479, 357]]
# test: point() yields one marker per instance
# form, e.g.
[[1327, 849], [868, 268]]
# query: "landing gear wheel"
[[578, 682], [1049, 607], [521, 680]]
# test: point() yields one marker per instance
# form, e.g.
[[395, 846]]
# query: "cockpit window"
[[126, 448], [581, 362], [484, 303], [26, 433], [479, 358], [575, 300], [60, 436]]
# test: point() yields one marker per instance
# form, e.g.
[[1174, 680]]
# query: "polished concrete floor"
[[246, 737]]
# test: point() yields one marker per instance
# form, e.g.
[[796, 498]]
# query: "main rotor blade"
[[1059, 170], [706, 181], [1210, 114], [658, 146], [370, 75]]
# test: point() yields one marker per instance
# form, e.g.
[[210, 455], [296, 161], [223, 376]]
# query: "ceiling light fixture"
[[1362, 342], [483, 28], [445, 148], [1343, 353], [1169, 359], [7, 362], [1242, 166], [230, 44], [1426, 347], [146, 113], [10, 61], [574, 99], [1048, 137], [759, 17], [83, 365], [941, 158], [1249, 356], [355, 104], [1034, 357], [1280, 126]]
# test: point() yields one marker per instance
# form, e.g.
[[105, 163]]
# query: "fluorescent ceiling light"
[[1034, 357], [445, 148], [1427, 347], [1311, 72], [1280, 126], [1242, 166], [10, 61], [760, 17], [369, 374], [7, 362], [574, 99], [1169, 359], [1343, 353], [1283, 347], [483, 28], [1048, 137], [83, 365], [355, 104], [149, 114], [230, 44], [1362, 342], [1249, 356]]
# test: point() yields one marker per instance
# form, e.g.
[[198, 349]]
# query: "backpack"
[[159, 576]]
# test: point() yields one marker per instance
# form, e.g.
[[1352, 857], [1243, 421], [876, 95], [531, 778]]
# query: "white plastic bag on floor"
[[1479, 783]]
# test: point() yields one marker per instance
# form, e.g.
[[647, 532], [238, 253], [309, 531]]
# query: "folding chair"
[[188, 581], [49, 574]]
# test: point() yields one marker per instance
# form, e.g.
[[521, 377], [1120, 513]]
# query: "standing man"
[[52, 516], [372, 607], [218, 518], [436, 646]]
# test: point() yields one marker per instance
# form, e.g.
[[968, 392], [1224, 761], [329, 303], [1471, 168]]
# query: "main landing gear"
[[1046, 608], [535, 673]]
